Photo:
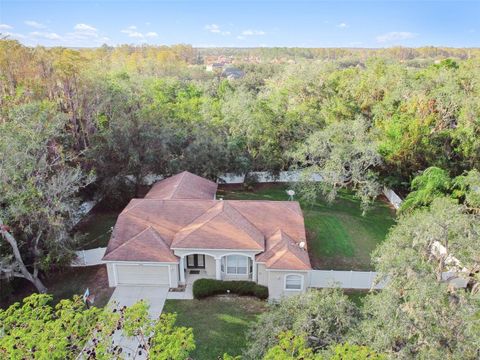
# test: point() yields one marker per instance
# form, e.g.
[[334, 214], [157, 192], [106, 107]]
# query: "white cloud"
[[343, 25], [5, 27], [132, 32], [46, 35], [35, 24], [240, 37], [250, 32], [84, 28], [214, 28], [395, 36]]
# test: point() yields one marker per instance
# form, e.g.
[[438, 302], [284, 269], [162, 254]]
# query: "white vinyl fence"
[[365, 279], [393, 198], [265, 177], [89, 257], [344, 279]]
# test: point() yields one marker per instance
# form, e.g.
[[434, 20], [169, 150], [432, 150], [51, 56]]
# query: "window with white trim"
[[237, 265], [293, 282]]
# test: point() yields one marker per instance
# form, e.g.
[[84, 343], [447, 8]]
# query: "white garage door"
[[142, 275]]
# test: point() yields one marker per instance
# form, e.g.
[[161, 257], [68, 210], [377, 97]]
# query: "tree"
[[40, 184], [36, 330], [345, 155], [413, 316], [324, 316], [290, 347], [433, 182]]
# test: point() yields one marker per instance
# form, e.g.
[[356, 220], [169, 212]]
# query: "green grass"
[[219, 323], [339, 237], [96, 229]]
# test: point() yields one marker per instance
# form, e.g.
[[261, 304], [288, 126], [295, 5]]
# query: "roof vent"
[[302, 245]]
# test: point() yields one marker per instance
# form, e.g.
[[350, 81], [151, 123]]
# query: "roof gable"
[[221, 227], [147, 245], [284, 253], [184, 185]]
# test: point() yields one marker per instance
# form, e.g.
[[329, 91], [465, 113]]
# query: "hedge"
[[203, 288]]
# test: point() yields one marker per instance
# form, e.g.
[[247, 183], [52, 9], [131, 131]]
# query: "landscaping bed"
[[219, 323], [204, 288], [339, 237]]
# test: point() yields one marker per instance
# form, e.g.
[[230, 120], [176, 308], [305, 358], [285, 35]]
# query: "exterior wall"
[[210, 265], [276, 283], [214, 253], [173, 275], [111, 275], [262, 275]]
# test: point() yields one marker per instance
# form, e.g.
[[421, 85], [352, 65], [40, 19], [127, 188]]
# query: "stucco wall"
[[276, 283], [111, 276], [262, 275], [174, 275], [210, 265]]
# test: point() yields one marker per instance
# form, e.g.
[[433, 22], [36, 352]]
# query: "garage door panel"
[[142, 275]]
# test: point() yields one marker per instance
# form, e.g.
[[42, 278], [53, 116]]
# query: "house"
[[233, 73], [180, 232]]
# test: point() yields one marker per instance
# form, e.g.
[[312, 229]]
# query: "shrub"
[[203, 288]]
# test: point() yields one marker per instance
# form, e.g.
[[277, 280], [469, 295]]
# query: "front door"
[[196, 261]]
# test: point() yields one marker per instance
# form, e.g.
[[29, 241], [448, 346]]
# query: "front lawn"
[[219, 323], [339, 237]]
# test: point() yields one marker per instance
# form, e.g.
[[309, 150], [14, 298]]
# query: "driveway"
[[129, 295]]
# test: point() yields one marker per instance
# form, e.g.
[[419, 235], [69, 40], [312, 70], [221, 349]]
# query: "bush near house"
[[203, 288]]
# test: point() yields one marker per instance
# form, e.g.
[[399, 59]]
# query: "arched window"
[[293, 282]]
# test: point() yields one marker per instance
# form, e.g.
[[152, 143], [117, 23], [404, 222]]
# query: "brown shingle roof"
[[147, 229], [284, 253], [221, 227], [184, 185], [145, 246]]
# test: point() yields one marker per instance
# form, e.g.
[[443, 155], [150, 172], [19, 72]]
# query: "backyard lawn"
[[96, 229], [339, 237], [219, 323]]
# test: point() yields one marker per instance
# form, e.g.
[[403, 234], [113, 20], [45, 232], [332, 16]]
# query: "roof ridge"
[[198, 227], [248, 221], [126, 242], [182, 175], [125, 211]]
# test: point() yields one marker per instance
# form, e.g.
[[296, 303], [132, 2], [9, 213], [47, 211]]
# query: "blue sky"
[[243, 24]]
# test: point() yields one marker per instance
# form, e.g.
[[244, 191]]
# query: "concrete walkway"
[[89, 257], [129, 295]]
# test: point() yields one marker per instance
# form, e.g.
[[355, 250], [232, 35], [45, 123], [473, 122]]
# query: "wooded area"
[[94, 122]]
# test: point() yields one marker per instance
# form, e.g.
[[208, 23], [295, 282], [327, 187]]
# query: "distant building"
[[214, 66], [233, 73]]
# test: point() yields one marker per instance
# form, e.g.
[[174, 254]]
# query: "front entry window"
[[237, 265], [196, 261]]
